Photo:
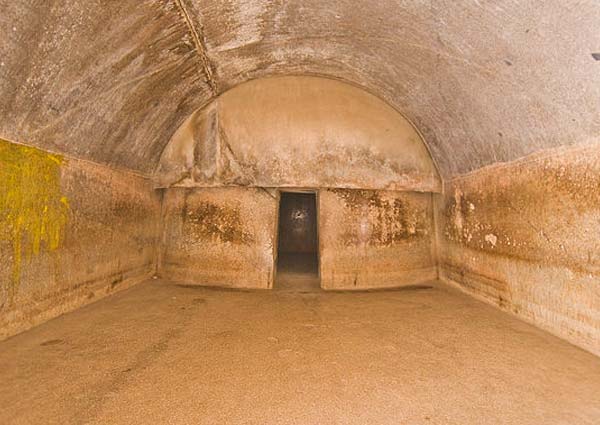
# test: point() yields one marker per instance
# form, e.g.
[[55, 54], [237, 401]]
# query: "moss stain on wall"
[[33, 211]]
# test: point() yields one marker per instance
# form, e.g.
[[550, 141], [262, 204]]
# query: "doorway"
[[297, 246]]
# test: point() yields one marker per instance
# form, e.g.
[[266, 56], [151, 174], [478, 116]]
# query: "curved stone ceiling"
[[484, 81]]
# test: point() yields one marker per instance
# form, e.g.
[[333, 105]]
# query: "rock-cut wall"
[[375, 239], [219, 236], [367, 238], [71, 232], [525, 236]]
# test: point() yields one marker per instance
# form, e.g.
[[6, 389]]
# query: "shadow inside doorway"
[[297, 250]]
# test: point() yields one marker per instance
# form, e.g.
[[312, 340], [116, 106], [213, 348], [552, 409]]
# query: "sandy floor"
[[165, 353]]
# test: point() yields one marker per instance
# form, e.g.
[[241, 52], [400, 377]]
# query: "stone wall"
[[298, 132], [367, 239], [71, 232], [375, 239], [525, 236], [219, 236]]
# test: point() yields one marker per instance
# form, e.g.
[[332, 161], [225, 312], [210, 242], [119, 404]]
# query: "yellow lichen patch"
[[33, 211]]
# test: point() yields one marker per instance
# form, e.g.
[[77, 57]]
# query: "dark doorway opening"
[[297, 249]]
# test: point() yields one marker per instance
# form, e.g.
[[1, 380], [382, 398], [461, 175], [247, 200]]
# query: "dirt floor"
[[163, 353]]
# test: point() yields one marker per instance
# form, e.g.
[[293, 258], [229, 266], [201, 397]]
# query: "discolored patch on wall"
[[541, 210], [33, 209], [372, 239], [390, 220], [106, 240], [217, 223], [219, 236], [524, 236]]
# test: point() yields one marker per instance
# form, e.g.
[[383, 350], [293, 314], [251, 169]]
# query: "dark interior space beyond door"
[[298, 245]]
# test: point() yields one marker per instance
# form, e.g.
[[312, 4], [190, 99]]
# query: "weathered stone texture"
[[483, 82], [108, 242], [104, 81], [524, 236], [298, 132], [373, 239], [220, 236]]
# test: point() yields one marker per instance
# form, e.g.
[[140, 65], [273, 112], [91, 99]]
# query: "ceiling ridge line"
[[198, 38]]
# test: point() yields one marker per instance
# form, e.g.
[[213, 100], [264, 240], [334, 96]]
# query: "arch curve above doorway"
[[298, 131]]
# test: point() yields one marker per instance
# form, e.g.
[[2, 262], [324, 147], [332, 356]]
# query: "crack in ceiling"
[[94, 79]]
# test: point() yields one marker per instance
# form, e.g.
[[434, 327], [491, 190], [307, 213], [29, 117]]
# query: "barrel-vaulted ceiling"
[[483, 80]]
